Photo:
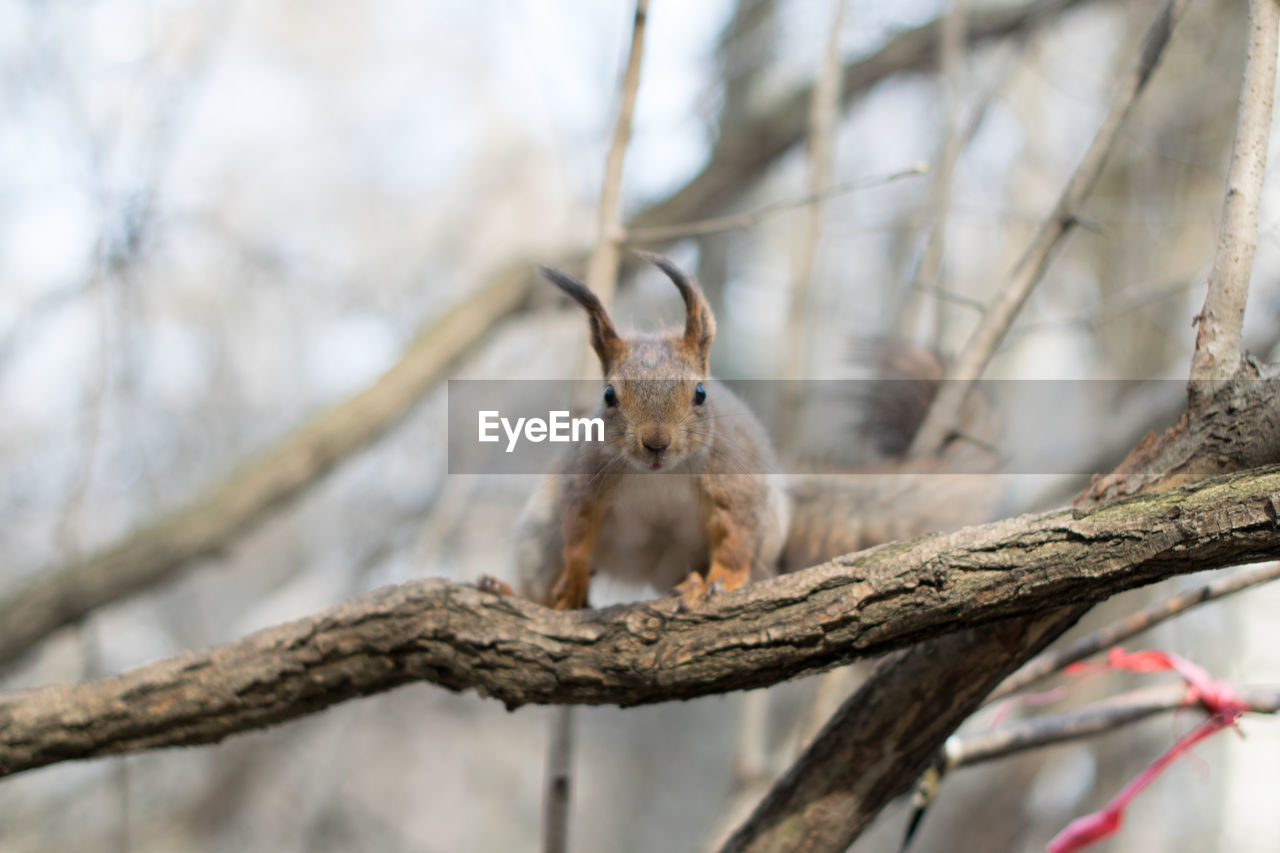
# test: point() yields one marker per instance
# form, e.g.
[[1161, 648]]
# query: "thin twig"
[[945, 413], [833, 688], [1052, 661], [1217, 353], [1122, 303], [666, 233], [765, 136], [602, 269], [1104, 716], [824, 113], [753, 770], [90, 419], [557, 794], [925, 281], [929, 272]]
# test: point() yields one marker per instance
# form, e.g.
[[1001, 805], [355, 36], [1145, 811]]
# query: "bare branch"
[[59, 596], [747, 149], [602, 269], [928, 276], [1217, 353], [824, 110], [1055, 660], [460, 637], [558, 783], [666, 233], [946, 410], [1104, 716]]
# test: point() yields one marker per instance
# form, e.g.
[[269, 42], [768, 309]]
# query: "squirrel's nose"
[[656, 443]]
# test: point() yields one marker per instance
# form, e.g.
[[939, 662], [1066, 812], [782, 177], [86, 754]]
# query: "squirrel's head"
[[656, 406]]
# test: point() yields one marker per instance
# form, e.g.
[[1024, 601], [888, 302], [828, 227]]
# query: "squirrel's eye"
[[611, 396], [699, 394]]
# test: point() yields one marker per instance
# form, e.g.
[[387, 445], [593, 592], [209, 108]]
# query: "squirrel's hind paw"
[[570, 592]]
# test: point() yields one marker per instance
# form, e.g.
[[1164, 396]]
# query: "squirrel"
[[683, 491]]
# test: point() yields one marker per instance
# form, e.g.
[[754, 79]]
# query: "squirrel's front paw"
[[488, 583]]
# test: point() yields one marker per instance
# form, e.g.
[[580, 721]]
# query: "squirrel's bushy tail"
[[886, 499]]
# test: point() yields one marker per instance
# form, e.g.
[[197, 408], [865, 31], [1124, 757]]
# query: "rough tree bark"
[[881, 599]]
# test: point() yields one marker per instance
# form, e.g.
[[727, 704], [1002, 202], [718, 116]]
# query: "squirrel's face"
[[656, 407]]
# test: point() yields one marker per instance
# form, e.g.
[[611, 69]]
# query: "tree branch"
[[459, 637], [1217, 353], [1053, 661], [928, 275], [60, 596], [667, 233], [602, 269], [742, 152], [557, 792], [824, 112], [945, 413], [883, 738], [1104, 716]]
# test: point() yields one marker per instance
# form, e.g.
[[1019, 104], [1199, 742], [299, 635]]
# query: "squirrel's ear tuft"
[[605, 339], [700, 323]]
